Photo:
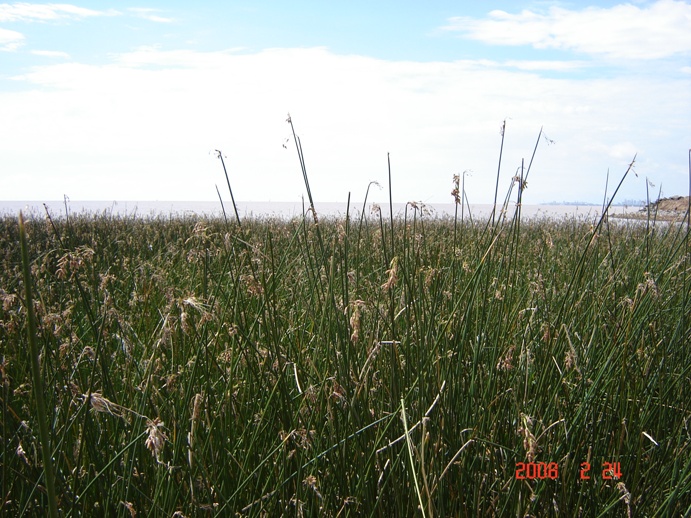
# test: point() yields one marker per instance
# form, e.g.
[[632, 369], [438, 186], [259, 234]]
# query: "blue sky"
[[127, 101]]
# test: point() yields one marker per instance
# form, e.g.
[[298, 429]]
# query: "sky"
[[122, 100]]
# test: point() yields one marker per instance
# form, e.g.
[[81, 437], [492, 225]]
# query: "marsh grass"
[[347, 366], [190, 374]]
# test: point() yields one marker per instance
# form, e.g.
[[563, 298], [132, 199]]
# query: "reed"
[[196, 367], [36, 376]]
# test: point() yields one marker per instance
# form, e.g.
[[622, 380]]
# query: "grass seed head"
[[254, 287], [355, 320], [649, 286], [625, 496], [156, 438], [22, 454], [456, 192], [393, 275], [505, 362], [101, 404], [130, 507], [529, 440]]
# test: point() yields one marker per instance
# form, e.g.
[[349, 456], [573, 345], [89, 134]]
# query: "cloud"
[[624, 31], [149, 14], [50, 53], [621, 150], [27, 12], [142, 126], [557, 66], [10, 40]]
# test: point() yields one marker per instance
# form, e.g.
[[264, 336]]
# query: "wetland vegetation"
[[204, 367], [354, 366]]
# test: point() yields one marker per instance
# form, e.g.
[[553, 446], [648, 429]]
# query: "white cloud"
[[623, 31], [50, 53], [558, 66], [149, 14], [621, 150], [142, 127], [10, 40], [46, 12]]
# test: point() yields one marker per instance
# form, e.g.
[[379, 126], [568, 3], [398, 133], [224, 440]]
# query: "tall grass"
[[312, 366]]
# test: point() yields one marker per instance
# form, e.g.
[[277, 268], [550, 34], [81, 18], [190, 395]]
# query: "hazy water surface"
[[284, 209]]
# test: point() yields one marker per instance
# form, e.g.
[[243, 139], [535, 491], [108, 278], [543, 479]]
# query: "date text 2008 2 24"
[[550, 470]]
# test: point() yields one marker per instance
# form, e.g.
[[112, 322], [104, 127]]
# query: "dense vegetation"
[[351, 366]]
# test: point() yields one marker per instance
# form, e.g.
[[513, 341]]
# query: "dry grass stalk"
[[156, 438], [393, 275]]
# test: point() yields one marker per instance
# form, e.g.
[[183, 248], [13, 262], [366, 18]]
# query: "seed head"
[[393, 275], [156, 439]]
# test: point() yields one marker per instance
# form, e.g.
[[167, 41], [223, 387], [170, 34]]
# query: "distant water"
[[288, 210]]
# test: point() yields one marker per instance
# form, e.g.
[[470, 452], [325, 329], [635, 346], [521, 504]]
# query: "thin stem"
[[225, 218], [225, 171], [388, 160], [36, 375], [496, 188], [410, 457]]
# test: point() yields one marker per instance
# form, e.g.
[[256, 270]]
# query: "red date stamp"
[[539, 470], [610, 471], [544, 470]]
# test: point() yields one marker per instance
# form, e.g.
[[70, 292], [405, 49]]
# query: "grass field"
[[363, 366], [358, 366]]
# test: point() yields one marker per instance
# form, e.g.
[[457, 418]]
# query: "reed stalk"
[[37, 378]]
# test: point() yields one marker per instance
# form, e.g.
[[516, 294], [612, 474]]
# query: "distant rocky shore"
[[672, 204], [665, 209]]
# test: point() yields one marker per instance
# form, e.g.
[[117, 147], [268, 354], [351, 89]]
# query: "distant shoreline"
[[285, 209], [666, 209], [671, 209]]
